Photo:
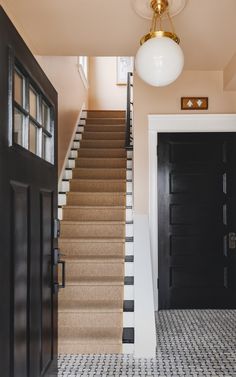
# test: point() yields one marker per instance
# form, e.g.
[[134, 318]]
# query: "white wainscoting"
[[175, 123]]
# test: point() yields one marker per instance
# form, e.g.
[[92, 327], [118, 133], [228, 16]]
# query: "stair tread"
[[95, 280], [99, 179], [93, 259], [88, 306], [97, 193], [94, 222], [92, 207], [102, 158], [93, 240], [100, 169], [102, 335]]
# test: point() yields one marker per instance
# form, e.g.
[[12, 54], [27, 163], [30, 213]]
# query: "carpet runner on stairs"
[[93, 240]]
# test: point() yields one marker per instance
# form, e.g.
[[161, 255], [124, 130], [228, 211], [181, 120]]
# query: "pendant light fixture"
[[159, 60]]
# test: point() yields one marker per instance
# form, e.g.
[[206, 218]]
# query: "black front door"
[[197, 219], [28, 207]]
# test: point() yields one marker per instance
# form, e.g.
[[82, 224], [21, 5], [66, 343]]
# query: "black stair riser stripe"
[[128, 306], [129, 280], [128, 335], [129, 259]]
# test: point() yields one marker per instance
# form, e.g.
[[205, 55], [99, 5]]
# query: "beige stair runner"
[[93, 240]]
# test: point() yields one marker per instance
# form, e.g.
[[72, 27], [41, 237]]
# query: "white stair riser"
[[129, 230], [128, 319], [129, 269], [76, 144], [59, 214], [129, 174], [129, 164], [73, 154], [128, 349], [78, 137], [129, 186], [129, 248], [129, 215], [65, 186], [62, 199], [82, 122], [80, 128], [129, 154], [68, 174], [71, 164], [129, 200], [128, 292]]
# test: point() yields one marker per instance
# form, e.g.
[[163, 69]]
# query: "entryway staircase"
[[93, 240]]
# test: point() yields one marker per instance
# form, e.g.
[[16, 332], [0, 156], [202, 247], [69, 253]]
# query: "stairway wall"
[[63, 72], [104, 93]]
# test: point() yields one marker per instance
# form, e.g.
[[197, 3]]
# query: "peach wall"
[[230, 74], [104, 94], [150, 100], [64, 75]]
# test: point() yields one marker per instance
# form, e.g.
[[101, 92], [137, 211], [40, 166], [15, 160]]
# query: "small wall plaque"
[[194, 103]]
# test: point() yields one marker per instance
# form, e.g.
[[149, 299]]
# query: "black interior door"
[[196, 216], [28, 207]]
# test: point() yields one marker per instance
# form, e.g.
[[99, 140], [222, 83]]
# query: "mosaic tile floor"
[[189, 343]]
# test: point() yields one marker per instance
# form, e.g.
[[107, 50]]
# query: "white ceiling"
[[111, 28]]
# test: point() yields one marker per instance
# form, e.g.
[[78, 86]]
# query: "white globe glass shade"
[[159, 61]]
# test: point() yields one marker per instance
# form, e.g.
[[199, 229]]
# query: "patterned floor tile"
[[191, 343]]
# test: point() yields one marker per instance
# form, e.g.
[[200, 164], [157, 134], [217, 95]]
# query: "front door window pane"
[[46, 116], [18, 127], [33, 138], [18, 88], [33, 103]]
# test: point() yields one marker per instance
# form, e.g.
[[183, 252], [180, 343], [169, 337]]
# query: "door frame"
[[174, 123]]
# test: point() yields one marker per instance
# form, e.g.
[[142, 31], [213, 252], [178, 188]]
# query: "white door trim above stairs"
[[174, 123]]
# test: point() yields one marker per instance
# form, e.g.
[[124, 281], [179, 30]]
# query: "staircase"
[[93, 235]]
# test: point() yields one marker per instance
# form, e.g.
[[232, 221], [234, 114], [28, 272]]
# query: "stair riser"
[[93, 249], [100, 173], [104, 136], [92, 230], [96, 293], [101, 163], [104, 121], [96, 186], [102, 144], [90, 318], [104, 114], [100, 153], [94, 215], [108, 199], [88, 348], [100, 128], [83, 269]]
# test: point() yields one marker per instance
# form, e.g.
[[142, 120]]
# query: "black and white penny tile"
[[189, 343]]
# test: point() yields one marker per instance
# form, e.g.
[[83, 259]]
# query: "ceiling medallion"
[[143, 9]]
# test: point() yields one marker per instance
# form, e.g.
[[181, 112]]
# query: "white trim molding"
[[144, 314], [69, 147], [174, 123]]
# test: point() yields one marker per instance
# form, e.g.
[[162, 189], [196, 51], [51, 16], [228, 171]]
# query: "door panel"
[[196, 197], [46, 279], [28, 205], [20, 265]]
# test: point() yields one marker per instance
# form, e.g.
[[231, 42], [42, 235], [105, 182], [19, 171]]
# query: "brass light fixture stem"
[[159, 8]]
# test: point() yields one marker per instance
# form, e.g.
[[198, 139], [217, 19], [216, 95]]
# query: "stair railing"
[[129, 113]]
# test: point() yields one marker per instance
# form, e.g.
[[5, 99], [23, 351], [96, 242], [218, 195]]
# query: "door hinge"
[[157, 149], [157, 283]]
